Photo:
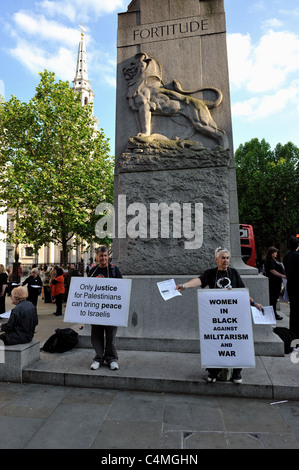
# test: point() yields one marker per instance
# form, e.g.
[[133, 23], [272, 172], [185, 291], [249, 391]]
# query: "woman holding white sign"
[[222, 277], [104, 352]]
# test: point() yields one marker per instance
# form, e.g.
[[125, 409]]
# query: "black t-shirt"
[[33, 284], [291, 265], [270, 264], [110, 271], [3, 279], [215, 279]]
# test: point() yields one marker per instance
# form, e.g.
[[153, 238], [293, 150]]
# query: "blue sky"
[[263, 48]]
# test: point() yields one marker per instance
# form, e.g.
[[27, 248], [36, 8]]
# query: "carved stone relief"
[[148, 95]]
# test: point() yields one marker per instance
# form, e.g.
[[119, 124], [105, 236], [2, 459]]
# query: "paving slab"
[[89, 418]]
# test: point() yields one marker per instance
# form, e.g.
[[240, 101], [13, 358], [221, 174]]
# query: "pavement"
[[61, 404]]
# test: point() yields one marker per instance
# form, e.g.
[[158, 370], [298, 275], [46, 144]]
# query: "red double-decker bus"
[[247, 245]]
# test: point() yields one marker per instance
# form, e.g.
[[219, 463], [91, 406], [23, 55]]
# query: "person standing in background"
[[35, 285], [3, 286], [275, 273], [291, 266], [58, 290]]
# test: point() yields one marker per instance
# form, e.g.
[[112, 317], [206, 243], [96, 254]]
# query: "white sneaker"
[[113, 365], [95, 365]]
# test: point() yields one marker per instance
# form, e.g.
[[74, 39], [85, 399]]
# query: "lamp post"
[[16, 267]]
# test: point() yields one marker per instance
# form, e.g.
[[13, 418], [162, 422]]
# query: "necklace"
[[223, 282], [97, 269]]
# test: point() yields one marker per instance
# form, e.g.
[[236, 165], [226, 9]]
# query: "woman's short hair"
[[20, 293], [34, 270], [220, 250], [59, 272], [271, 250], [2, 268]]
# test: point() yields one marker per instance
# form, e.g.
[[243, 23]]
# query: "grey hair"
[[20, 293], [34, 270], [220, 250], [102, 249]]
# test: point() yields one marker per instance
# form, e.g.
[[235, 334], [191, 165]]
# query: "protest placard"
[[98, 301], [226, 337]]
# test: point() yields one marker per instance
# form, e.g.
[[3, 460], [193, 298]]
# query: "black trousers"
[[215, 372], [59, 300], [294, 311], [274, 292], [102, 339]]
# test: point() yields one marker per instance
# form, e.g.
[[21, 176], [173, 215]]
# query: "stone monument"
[[175, 184]]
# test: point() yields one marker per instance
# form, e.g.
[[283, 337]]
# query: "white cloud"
[[292, 13], [257, 7], [263, 73], [267, 105], [263, 67], [103, 67], [37, 59], [78, 10], [39, 26], [43, 43], [2, 88], [272, 23], [240, 61]]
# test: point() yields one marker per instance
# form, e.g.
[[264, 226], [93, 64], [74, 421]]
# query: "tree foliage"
[[268, 189], [55, 166]]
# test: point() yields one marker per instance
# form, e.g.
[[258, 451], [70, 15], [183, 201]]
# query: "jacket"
[[21, 324], [58, 286]]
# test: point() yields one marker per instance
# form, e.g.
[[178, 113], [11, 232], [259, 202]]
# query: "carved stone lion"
[[148, 94]]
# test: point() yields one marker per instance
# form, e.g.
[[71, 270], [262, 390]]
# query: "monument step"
[[265, 344], [164, 372]]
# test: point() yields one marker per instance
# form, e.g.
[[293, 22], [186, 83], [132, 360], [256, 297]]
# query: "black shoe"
[[278, 317], [58, 314], [212, 378]]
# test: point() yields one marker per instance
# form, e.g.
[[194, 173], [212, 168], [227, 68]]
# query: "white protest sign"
[[226, 337], [98, 301]]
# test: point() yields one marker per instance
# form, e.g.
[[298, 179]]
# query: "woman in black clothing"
[[35, 284], [275, 273], [222, 277]]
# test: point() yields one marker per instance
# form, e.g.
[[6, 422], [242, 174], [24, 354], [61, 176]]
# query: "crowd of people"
[[41, 281], [23, 319]]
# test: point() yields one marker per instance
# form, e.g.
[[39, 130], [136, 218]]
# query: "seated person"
[[22, 321]]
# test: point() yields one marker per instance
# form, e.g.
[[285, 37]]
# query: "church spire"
[[81, 82]]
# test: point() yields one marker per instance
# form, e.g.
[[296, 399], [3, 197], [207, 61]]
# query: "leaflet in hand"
[[168, 289], [6, 314], [265, 317]]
